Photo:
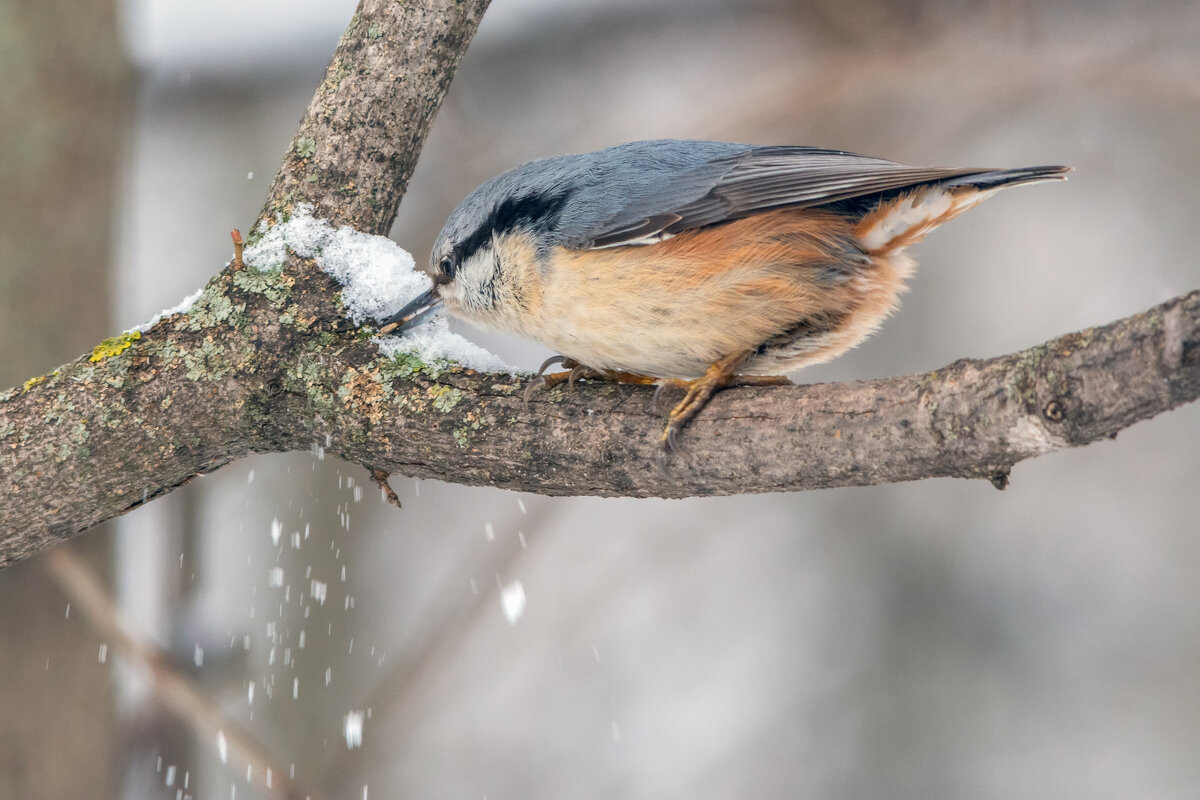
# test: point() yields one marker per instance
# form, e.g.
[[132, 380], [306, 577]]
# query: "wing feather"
[[753, 181]]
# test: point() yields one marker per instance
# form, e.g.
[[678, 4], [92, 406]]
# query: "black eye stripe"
[[534, 212], [539, 212]]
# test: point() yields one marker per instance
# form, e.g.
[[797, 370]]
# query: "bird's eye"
[[447, 267]]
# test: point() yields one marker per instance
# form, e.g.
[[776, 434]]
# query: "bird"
[[693, 265]]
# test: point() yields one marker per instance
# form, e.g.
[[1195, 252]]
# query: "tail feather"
[[906, 217], [1009, 177]]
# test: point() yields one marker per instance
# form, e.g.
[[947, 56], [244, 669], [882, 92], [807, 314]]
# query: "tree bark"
[[267, 362]]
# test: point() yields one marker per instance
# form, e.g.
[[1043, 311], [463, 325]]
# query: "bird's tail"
[[907, 216], [999, 178]]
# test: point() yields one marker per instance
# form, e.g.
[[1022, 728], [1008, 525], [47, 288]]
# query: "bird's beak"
[[417, 311]]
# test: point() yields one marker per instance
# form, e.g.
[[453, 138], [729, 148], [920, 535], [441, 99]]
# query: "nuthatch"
[[691, 263]]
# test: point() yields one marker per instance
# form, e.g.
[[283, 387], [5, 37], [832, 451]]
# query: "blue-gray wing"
[[737, 182]]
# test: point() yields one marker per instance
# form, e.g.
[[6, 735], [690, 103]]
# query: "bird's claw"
[[537, 382], [551, 360], [580, 371], [543, 381], [668, 440], [663, 385]]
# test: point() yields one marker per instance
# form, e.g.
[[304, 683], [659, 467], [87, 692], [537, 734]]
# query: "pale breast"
[[770, 283]]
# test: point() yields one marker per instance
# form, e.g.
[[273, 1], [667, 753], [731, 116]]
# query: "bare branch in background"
[[178, 694]]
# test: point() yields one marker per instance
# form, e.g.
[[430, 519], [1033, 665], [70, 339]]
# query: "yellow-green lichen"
[[290, 316], [167, 351], [32, 382], [350, 29], [444, 397], [1026, 374], [61, 407], [114, 345], [307, 372], [269, 283], [109, 417], [462, 434], [73, 446], [116, 369], [342, 71], [207, 362], [304, 146], [304, 377], [406, 364], [1022, 378], [401, 365], [212, 308]]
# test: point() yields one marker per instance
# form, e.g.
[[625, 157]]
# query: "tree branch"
[[266, 362], [359, 140], [970, 419]]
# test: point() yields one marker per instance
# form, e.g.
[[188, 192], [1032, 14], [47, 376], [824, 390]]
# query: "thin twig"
[[178, 694], [381, 480], [238, 248]]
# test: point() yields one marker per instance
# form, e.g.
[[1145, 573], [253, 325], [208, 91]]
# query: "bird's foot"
[[576, 372], [699, 391]]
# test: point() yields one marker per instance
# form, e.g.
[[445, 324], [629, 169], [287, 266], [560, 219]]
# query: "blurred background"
[[934, 639]]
